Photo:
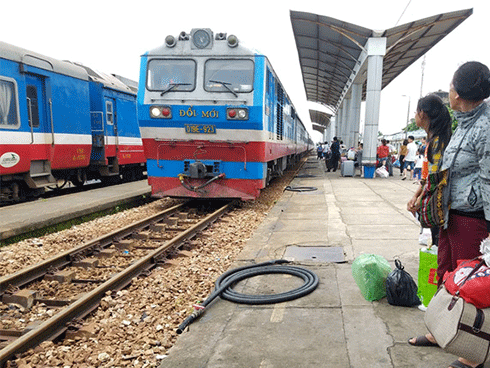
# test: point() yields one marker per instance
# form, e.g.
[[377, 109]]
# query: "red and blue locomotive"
[[214, 118], [63, 122]]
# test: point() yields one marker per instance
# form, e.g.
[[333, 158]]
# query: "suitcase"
[[347, 168]]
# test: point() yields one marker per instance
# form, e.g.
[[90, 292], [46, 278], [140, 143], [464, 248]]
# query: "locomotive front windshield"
[[171, 75], [229, 75]]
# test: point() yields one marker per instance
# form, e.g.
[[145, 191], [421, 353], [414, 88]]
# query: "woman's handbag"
[[431, 210], [475, 289], [458, 326], [434, 205]]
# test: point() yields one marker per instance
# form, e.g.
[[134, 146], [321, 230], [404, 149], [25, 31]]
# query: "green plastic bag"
[[370, 272], [427, 278]]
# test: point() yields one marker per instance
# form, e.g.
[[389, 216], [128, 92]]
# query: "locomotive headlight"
[[233, 113], [160, 112], [155, 112]]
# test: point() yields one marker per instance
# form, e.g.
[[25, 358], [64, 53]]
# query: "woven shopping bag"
[[432, 210], [427, 275]]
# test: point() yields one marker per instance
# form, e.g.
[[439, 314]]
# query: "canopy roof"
[[330, 49], [320, 120], [319, 117]]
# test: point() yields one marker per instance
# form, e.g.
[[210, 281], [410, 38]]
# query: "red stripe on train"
[[61, 156], [221, 188], [205, 150]]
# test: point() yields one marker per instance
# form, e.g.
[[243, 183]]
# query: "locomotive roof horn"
[[170, 41], [232, 41]]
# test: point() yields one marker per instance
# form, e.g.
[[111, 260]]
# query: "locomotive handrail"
[[52, 122], [30, 122], [192, 100]]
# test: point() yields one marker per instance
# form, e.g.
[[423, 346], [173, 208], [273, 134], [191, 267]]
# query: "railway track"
[[140, 247]]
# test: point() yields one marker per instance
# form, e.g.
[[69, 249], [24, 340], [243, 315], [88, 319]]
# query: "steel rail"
[[56, 325], [38, 270]]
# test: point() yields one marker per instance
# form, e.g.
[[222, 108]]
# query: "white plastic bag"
[[425, 237], [382, 172]]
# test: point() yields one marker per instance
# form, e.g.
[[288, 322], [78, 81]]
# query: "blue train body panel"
[[233, 170]]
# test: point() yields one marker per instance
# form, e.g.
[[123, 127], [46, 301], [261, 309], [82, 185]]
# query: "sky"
[[111, 35]]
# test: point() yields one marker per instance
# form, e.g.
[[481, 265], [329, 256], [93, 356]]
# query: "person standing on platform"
[[383, 152], [333, 163], [410, 157], [401, 156], [358, 159], [326, 149], [468, 156], [419, 161], [319, 152], [432, 116], [390, 158]]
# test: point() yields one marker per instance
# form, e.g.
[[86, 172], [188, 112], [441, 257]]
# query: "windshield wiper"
[[225, 84], [172, 86]]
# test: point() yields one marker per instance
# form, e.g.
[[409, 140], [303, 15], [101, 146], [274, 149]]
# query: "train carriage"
[[214, 119], [52, 120]]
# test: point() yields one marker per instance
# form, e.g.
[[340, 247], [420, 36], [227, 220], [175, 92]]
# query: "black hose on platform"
[[224, 287], [300, 189]]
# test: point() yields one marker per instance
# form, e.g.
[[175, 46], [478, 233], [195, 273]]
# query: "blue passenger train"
[[60, 122], [215, 119]]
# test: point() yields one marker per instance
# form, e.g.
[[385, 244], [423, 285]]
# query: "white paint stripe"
[[43, 138], [242, 135], [124, 140], [73, 139], [278, 313]]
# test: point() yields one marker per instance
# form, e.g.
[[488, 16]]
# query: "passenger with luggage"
[[358, 158], [333, 161], [468, 157]]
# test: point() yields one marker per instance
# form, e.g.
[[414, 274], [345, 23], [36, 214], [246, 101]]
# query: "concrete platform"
[[29, 216], [334, 326]]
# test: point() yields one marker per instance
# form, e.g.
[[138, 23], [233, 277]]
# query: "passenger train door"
[[38, 111], [111, 134], [41, 126]]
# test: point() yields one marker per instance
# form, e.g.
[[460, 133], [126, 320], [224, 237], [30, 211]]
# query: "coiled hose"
[[300, 189], [224, 287]]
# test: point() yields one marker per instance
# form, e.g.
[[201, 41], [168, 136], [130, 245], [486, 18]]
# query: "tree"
[[411, 126]]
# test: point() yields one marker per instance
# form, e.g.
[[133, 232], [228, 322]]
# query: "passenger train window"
[[32, 106], [171, 75], [229, 75], [109, 113], [8, 105]]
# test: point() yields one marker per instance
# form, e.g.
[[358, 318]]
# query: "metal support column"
[[376, 48], [332, 128], [347, 122], [338, 118], [355, 114], [343, 128]]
